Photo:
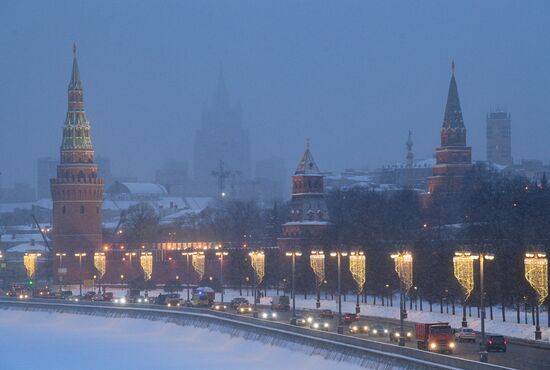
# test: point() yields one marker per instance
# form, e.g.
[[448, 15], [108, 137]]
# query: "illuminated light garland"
[[257, 260], [146, 261], [100, 263], [198, 262], [358, 269], [317, 263], [404, 269], [29, 260], [463, 265], [536, 273]]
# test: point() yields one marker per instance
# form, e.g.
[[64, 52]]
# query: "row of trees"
[[497, 213]]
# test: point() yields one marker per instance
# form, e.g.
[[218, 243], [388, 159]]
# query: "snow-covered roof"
[[307, 165], [306, 223], [11, 207], [27, 247]]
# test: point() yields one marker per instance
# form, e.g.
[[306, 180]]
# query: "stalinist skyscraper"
[[77, 191]]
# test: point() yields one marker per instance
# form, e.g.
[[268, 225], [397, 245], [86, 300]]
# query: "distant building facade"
[[222, 146], [499, 138], [77, 192], [174, 176], [453, 157], [308, 218], [46, 169]]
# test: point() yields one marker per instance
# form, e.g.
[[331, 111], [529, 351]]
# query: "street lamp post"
[[536, 273], [221, 254], [338, 255], [80, 255], [483, 355], [293, 291], [403, 264], [122, 281], [60, 255], [187, 255]]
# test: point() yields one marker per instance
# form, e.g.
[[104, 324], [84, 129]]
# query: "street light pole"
[[80, 255], [293, 284], [483, 355], [187, 254], [60, 255], [338, 255], [221, 254]]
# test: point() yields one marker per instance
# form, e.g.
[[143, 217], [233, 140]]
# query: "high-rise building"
[[453, 157], [77, 191], [499, 138], [308, 218], [46, 169], [174, 176], [221, 142]]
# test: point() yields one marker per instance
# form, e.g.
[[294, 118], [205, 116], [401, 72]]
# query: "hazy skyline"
[[353, 77]]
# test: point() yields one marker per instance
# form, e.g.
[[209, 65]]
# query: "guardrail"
[[340, 347]]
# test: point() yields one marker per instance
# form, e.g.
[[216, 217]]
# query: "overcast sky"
[[352, 76]]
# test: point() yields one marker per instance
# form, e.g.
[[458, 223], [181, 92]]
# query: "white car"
[[465, 335], [268, 315]]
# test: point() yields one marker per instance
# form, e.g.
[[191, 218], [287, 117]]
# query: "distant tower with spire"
[[308, 217], [77, 191], [221, 138], [410, 161], [453, 157]]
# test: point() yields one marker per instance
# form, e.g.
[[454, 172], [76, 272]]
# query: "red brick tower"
[[453, 157], [308, 217], [77, 192]]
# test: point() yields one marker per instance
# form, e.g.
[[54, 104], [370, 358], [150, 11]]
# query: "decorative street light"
[[29, 260], [357, 267], [257, 259], [80, 255], [339, 255], [536, 273], [146, 262], [59, 270], [100, 264], [293, 291], [463, 265], [317, 263], [404, 269], [221, 254], [187, 254], [483, 355]]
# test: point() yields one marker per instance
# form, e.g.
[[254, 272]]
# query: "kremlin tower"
[[453, 157], [308, 217], [77, 192]]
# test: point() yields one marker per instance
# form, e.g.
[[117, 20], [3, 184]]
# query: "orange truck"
[[435, 337]]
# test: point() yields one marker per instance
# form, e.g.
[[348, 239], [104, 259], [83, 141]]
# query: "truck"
[[435, 337], [203, 297], [280, 303]]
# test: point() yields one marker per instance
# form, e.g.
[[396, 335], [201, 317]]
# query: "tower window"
[[81, 209]]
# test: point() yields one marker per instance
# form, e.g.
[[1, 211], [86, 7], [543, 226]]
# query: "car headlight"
[[310, 319], [397, 334], [452, 345], [409, 334], [76, 300], [365, 328], [264, 315], [316, 326], [274, 315], [139, 300], [250, 310], [123, 300], [385, 331], [325, 325], [433, 345], [375, 331], [354, 328]]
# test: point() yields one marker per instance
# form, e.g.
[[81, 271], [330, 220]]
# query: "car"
[[73, 298], [395, 334], [88, 296], [496, 343], [299, 320], [319, 325], [163, 299], [235, 302], [140, 299], [245, 308], [350, 317], [465, 335], [120, 300], [379, 331], [326, 314], [219, 307], [266, 315], [359, 328], [174, 302], [105, 297]]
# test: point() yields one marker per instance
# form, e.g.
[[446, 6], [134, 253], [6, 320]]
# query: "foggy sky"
[[352, 76]]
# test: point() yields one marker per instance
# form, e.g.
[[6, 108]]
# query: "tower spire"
[[75, 83], [453, 112], [453, 67]]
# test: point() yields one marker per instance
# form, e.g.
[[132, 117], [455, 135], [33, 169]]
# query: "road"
[[517, 356]]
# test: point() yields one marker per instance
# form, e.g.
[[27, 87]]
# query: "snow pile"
[[40, 340]]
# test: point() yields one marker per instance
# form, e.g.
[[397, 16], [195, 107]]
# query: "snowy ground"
[[39, 340]]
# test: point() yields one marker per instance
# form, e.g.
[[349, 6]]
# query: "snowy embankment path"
[[41, 340]]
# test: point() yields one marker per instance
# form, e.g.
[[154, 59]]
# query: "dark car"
[[326, 314], [496, 343], [88, 296], [164, 299], [236, 302], [105, 297], [350, 317], [395, 334]]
